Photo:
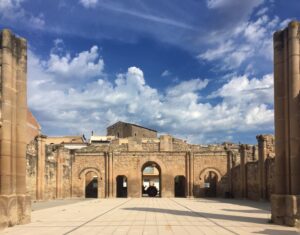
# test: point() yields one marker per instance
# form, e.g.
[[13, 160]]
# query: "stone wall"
[[125, 130], [31, 169], [252, 169], [210, 161], [242, 171]]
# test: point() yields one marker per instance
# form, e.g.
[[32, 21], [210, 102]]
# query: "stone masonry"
[[286, 200], [15, 205], [240, 171]]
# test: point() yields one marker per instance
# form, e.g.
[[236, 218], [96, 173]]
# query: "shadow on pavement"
[[201, 214], [262, 205], [255, 211]]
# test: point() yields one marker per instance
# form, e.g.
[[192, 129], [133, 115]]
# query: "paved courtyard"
[[151, 216]]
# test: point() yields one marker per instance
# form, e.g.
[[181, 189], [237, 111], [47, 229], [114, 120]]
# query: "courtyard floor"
[[150, 216]]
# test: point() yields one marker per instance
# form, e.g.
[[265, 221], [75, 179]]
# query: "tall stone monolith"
[[15, 205], [286, 200]]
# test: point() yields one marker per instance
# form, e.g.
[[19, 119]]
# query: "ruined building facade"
[[184, 170]]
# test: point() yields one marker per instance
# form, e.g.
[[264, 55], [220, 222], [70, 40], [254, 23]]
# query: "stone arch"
[[205, 170], [154, 160], [85, 170], [84, 185], [154, 179], [210, 178]]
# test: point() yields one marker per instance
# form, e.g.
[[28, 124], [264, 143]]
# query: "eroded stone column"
[[110, 174], [59, 171], [229, 171], [14, 203], [286, 200], [261, 165], [294, 88], [40, 179], [191, 174], [243, 180], [106, 174], [187, 170]]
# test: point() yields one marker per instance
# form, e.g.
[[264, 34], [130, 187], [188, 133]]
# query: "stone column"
[[110, 174], [59, 171], [14, 204], [286, 200], [229, 171], [40, 179], [243, 170], [294, 88], [106, 156], [187, 170], [261, 165], [191, 171]]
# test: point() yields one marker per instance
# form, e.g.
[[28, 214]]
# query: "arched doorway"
[[91, 185], [151, 180], [121, 186], [179, 186], [210, 184]]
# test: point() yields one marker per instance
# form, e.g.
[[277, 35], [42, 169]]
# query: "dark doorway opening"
[[179, 186], [210, 182], [122, 186], [151, 180], [91, 185]]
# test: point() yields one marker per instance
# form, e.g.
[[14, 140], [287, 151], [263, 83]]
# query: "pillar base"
[[285, 209], [14, 209]]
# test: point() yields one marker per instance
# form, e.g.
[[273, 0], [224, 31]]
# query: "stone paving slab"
[[152, 216]]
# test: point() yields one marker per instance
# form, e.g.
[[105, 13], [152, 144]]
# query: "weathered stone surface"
[[14, 204], [287, 125]]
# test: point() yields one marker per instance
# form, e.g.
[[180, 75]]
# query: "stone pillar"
[[191, 171], [286, 200], [59, 171], [106, 174], [110, 174], [187, 173], [229, 170], [40, 179], [14, 203], [243, 170], [262, 155]]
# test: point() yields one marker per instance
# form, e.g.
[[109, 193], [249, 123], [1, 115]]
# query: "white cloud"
[[186, 87], [181, 110], [89, 3], [262, 11], [86, 64], [9, 4], [12, 11], [215, 4], [166, 73], [245, 91], [248, 41]]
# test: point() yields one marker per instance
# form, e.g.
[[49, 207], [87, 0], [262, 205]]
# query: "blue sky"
[[200, 70]]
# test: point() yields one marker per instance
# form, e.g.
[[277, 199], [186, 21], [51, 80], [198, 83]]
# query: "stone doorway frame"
[[158, 167]]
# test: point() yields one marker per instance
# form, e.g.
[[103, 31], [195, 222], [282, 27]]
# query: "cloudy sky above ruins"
[[198, 69]]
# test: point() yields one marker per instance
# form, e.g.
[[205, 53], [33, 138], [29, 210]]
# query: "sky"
[[200, 70]]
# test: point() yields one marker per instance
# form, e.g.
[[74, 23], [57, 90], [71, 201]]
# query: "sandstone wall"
[[31, 169], [209, 161], [257, 170]]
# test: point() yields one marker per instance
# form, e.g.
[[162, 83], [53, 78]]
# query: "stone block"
[[285, 209]]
